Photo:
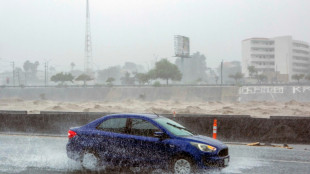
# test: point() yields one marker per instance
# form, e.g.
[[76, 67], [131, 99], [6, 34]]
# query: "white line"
[[305, 162]]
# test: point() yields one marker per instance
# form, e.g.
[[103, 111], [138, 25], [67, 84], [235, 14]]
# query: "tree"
[[298, 77], [113, 71], [166, 70], [142, 78], [110, 81], [62, 77], [84, 78], [252, 71], [237, 76]]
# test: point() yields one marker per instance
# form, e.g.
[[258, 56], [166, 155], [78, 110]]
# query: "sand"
[[254, 108]]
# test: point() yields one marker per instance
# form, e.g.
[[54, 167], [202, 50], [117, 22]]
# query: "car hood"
[[205, 140]]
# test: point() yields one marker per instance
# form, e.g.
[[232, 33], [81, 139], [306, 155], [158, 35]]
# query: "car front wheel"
[[182, 165]]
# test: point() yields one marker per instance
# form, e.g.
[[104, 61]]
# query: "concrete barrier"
[[148, 93], [12, 112], [230, 127]]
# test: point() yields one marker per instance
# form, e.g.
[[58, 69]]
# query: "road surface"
[[44, 154]]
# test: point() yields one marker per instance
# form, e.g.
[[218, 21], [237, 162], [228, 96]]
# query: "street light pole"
[[13, 66], [222, 73]]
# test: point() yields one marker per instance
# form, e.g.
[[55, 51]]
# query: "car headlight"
[[204, 147]]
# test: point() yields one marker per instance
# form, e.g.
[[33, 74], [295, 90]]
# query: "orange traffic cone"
[[214, 128]]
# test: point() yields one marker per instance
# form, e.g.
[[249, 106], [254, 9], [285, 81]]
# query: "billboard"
[[181, 46]]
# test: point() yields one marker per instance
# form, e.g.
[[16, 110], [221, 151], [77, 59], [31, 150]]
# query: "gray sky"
[[140, 30]]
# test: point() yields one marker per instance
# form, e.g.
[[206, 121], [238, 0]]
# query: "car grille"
[[223, 152]]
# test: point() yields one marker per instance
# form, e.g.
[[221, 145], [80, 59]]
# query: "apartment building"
[[278, 57]]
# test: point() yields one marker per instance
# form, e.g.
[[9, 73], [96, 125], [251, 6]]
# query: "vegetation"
[[252, 71], [143, 78], [110, 81], [113, 71], [298, 77], [84, 78], [156, 84], [62, 77], [165, 70], [237, 76]]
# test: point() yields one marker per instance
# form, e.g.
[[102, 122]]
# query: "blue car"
[[144, 141]]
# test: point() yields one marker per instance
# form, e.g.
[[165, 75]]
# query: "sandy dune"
[[254, 108]]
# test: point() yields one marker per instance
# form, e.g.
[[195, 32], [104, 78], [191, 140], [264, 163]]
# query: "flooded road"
[[43, 154]]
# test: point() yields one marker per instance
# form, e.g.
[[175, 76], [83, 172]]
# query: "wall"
[[189, 93], [241, 128], [274, 93]]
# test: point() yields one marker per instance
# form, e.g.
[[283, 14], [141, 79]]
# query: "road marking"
[[304, 162]]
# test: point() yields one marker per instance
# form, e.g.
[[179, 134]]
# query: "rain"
[[85, 85]]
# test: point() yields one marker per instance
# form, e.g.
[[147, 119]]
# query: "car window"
[[117, 125], [174, 127], [142, 127]]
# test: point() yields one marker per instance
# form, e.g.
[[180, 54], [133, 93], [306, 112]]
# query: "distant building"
[[280, 57], [229, 68]]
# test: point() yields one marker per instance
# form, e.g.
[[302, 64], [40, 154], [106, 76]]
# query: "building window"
[[300, 51], [300, 45]]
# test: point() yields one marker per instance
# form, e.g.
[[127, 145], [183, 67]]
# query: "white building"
[[281, 55]]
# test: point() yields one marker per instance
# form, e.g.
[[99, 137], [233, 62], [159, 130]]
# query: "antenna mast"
[[88, 45]]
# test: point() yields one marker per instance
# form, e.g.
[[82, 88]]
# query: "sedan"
[[144, 141]]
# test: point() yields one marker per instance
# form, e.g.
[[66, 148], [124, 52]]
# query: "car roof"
[[150, 116]]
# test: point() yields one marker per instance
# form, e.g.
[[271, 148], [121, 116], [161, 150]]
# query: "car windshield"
[[174, 127]]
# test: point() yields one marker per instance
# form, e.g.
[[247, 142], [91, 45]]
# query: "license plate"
[[226, 160]]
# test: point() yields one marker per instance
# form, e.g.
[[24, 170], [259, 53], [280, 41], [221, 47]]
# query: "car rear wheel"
[[182, 165], [89, 161]]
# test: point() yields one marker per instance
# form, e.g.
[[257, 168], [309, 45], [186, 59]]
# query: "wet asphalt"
[[43, 154]]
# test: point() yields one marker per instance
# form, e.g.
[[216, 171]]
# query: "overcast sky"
[[141, 30]]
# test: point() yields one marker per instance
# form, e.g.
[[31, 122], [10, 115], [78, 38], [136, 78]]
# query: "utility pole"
[[46, 74], [13, 66], [88, 43], [222, 73]]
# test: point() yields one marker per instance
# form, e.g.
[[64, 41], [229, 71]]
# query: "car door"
[[144, 146], [112, 139]]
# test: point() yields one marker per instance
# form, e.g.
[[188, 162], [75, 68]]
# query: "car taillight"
[[71, 134]]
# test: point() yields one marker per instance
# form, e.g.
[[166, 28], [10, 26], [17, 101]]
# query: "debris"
[[254, 144], [270, 145]]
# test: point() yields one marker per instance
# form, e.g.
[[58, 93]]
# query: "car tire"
[[182, 165], [89, 161]]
